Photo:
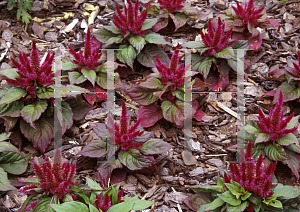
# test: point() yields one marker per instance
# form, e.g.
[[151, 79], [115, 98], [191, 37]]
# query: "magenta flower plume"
[[171, 5], [105, 204], [251, 175], [125, 135], [55, 178], [91, 56], [216, 38], [31, 73], [248, 13], [130, 21], [171, 74], [274, 124]]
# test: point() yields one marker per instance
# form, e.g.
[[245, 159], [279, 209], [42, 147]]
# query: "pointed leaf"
[[179, 20], [127, 55], [155, 38], [90, 75], [76, 77], [137, 42], [252, 130], [143, 96], [275, 153], [194, 44], [12, 109], [293, 122], [70, 206], [229, 198], [5, 185], [133, 159], [149, 23], [33, 112], [154, 146], [203, 66], [94, 149], [262, 137], [173, 112], [12, 95], [216, 203], [142, 204], [103, 35], [227, 53], [288, 140], [40, 137], [238, 208]]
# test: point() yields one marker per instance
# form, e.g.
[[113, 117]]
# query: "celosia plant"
[[129, 144], [130, 33], [29, 94], [216, 56], [89, 66], [53, 181], [273, 136], [290, 78], [162, 94], [244, 20], [247, 187], [172, 14]]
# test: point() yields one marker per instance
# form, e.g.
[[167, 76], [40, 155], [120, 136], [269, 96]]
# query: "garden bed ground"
[[166, 186]]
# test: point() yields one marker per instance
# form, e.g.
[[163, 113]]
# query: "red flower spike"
[[130, 20], [250, 175], [274, 124], [55, 178], [216, 38], [172, 74], [171, 5], [91, 56], [31, 73], [125, 136]]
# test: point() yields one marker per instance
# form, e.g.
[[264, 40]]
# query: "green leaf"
[[112, 40], [293, 122], [241, 44], [203, 66], [101, 80], [141, 204], [173, 112], [154, 146], [234, 190], [94, 185], [113, 29], [90, 75], [246, 196], [12, 160], [216, 203], [10, 122], [12, 109], [42, 136], [179, 20], [275, 153], [290, 91], [133, 159], [149, 23], [252, 130], [238, 208], [94, 149], [66, 66], [152, 83], [194, 44], [4, 136], [93, 208], [229, 198], [10, 73], [25, 16], [137, 42], [12, 95], [143, 96], [49, 93], [103, 35], [76, 77], [70, 206], [288, 140], [227, 53], [5, 184], [276, 204], [66, 117], [286, 191], [44, 205], [155, 38], [124, 206], [33, 112], [127, 55], [262, 137]]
